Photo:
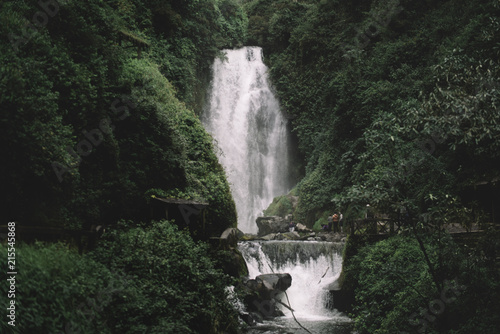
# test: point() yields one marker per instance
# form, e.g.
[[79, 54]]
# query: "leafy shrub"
[[392, 282], [66, 79], [178, 289], [59, 291], [281, 206], [152, 279], [318, 225], [395, 290]]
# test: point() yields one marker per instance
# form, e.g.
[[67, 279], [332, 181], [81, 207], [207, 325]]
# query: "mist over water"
[[244, 117]]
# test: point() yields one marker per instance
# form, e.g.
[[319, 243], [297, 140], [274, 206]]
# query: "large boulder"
[[269, 237], [249, 237], [268, 286], [302, 228], [342, 300], [233, 263], [264, 293], [331, 237], [272, 282], [272, 224]]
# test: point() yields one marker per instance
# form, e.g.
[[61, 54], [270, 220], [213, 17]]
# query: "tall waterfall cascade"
[[314, 267], [244, 117]]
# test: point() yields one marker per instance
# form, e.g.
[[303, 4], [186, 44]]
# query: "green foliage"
[[152, 279], [395, 292], [281, 206], [390, 268], [233, 22], [58, 290], [98, 104], [270, 23], [318, 225], [80, 73], [176, 285], [394, 103]]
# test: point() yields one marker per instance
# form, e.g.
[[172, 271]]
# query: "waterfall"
[[244, 118], [314, 267]]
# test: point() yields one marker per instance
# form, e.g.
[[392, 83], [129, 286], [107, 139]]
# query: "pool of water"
[[338, 324]]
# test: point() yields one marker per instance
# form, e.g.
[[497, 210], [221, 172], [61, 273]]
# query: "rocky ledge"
[[304, 236]]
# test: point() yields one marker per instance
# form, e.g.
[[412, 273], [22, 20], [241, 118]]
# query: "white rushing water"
[[314, 267], [244, 117]]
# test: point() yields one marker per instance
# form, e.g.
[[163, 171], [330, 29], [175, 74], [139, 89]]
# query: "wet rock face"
[[264, 293], [273, 224], [272, 282], [302, 228]]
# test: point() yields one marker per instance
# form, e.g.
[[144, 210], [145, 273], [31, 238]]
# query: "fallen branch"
[[289, 306], [323, 275], [285, 305]]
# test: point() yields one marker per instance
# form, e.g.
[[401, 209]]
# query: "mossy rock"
[[249, 237], [283, 205]]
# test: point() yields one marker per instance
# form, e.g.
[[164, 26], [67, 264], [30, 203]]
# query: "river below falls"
[[287, 325]]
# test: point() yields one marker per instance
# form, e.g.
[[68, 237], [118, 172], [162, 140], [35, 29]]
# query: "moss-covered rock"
[[283, 205]]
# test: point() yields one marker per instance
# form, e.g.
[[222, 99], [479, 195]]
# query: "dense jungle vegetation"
[[90, 130], [393, 104], [98, 103], [140, 279]]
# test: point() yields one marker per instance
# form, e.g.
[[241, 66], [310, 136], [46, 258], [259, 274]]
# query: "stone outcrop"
[[331, 237], [341, 298], [249, 237], [273, 224], [302, 228], [269, 285], [263, 295], [234, 264], [311, 236], [287, 236], [305, 234]]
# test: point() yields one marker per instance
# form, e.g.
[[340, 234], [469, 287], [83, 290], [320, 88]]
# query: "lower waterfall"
[[314, 266]]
